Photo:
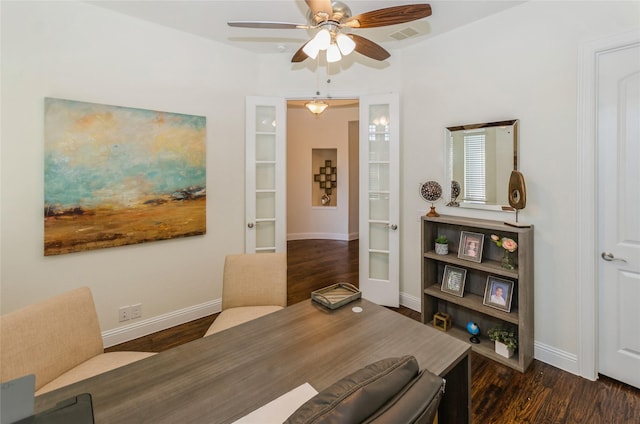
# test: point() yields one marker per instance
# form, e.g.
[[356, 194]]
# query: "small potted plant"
[[442, 245], [506, 341]]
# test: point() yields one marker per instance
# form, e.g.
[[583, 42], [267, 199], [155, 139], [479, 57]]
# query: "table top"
[[222, 377]]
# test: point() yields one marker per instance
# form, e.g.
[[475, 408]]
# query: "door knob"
[[393, 226], [610, 258], [250, 225]]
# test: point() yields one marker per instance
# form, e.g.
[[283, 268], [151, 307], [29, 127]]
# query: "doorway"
[[322, 237]]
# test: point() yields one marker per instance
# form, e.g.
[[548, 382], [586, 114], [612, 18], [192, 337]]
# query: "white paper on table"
[[278, 410]]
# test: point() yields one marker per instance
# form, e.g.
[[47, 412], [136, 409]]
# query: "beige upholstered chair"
[[253, 285], [59, 341]]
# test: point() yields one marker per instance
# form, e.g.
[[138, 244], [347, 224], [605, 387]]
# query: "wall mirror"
[[480, 157]]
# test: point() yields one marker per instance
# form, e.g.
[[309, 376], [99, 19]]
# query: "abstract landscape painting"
[[116, 176]]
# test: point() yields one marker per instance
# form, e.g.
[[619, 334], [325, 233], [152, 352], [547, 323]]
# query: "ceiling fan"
[[333, 19]]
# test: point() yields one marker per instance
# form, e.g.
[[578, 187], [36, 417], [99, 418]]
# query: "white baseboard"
[[159, 323], [410, 302], [555, 357]]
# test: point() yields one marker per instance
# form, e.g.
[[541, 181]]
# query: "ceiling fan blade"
[[389, 16], [369, 48], [299, 56], [267, 24], [322, 7]]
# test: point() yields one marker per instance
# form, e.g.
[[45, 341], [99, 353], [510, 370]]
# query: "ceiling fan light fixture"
[[316, 107], [345, 43], [311, 49], [322, 39], [333, 53]]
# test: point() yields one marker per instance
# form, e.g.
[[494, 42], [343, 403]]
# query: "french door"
[[265, 175], [379, 199]]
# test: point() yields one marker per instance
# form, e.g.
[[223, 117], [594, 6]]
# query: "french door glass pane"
[[379, 206], [378, 236], [378, 146], [265, 234], [265, 205], [265, 119], [265, 176], [265, 147], [378, 177], [378, 266]]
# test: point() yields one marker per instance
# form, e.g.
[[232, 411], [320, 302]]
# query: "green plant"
[[442, 239], [505, 336]]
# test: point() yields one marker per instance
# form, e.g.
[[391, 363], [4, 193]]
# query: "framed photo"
[[470, 247], [323, 170], [498, 293], [316, 177], [453, 280], [323, 177], [327, 163]]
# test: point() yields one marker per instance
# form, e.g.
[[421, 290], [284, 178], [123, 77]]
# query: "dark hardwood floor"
[[313, 264], [500, 395]]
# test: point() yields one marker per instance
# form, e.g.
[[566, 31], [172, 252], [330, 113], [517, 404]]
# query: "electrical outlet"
[[124, 313], [136, 311]]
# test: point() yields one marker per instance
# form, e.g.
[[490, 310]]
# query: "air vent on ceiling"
[[404, 33]]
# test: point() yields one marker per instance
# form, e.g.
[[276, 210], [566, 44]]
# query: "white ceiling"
[[209, 19]]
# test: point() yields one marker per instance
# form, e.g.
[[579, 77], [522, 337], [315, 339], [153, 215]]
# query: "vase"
[[507, 261], [442, 248], [503, 350]]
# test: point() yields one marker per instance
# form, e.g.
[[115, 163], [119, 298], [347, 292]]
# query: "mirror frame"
[[447, 160]]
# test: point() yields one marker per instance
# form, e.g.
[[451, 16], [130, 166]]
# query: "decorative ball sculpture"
[[474, 330], [431, 191], [455, 192]]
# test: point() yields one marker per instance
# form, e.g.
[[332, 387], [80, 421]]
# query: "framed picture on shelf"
[[453, 280], [470, 247], [498, 293]]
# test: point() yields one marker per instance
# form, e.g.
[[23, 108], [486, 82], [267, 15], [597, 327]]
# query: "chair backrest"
[[255, 279], [391, 390], [50, 337]]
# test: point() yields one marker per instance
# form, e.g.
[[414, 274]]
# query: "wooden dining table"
[[225, 376]]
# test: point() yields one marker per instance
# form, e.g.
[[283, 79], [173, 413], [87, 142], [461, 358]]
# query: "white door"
[[618, 144], [379, 199], [265, 175]]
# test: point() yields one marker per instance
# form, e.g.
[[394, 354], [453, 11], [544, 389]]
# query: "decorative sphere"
[[473, 328], [455, 189], [431, 191]]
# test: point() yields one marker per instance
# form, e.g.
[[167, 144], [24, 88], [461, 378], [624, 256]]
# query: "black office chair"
[[392, 390]]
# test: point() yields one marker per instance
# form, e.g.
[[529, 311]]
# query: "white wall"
[[304, 133], [82, 52], [521, 63]]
